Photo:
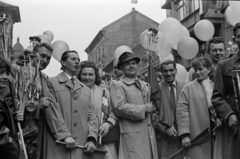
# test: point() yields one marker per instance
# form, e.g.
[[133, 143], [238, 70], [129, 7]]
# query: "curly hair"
[[91, 64]]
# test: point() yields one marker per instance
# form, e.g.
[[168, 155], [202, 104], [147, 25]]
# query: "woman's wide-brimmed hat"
[[127, 56]]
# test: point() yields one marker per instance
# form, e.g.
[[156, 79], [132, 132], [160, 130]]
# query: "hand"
[[232, 121], [90, 147], [45, 102], [171, 131], [149, 107], [18, 116], [186, 142], [70, 143], [104, 128]]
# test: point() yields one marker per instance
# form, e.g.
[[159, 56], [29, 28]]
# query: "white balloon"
[[174, 45], [174, 34], [235, 5], [161, 40], [121, 49], [204, 30], [167, 24], [185, 32], [231, 17], [182, 73], [169, 57], [165, 50]]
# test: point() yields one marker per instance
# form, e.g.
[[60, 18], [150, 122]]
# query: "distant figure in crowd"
[[9, 146], [215, 51], [131, 104], [226, 100], [193, 109], [89, 75], [164, 119], [74, 99]]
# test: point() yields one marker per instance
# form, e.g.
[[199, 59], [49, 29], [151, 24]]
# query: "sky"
[[76, 22]]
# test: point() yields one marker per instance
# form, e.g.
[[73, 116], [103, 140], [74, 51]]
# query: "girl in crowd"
[[89, 75], [193, 109]]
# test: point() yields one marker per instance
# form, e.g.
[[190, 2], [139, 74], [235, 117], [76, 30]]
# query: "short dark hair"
[[167, 62], [39, 45], [65, 56], [204, 62], [214, 40], [235, 28], [91, 64], [5, 64]]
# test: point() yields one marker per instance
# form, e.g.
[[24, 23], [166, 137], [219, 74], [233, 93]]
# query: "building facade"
[[124, 31], [189, 12]]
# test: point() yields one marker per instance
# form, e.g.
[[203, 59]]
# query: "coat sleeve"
[[55, 119], [92, 123], [156, 122], [219, 94], [123, 109], [182, 114]]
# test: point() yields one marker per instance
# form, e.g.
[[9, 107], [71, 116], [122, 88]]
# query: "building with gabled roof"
[[124, 31]]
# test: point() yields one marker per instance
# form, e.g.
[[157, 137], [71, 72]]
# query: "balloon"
[[121, 49], [49, 34], [173, 45], [174, 34], [231, 17], [143, 39], [161, 40], [182, 73], [165, 50], [187, 48], [59, 47], [235, 5], [45, 39], [204, 30], [169, 57], [167, 24], [185, 32]]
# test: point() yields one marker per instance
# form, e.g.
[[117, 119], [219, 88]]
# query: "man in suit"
[[164, 117], [74, 100]]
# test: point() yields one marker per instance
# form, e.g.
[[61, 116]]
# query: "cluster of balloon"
[[204, 30], [119, 51], [232, 13]]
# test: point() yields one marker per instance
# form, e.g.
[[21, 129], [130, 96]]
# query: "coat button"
[[75, 111], [75, 98], [75, 124]]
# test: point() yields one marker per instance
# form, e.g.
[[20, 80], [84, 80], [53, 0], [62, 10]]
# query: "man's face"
[[71, 65], [169, 73], [216, 51], [129, 68], [237, 37], [45, 57]]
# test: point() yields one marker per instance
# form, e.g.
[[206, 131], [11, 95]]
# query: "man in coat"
[[226, 100], [50, 121], [164, 118], [131, 104], [74, 101], [9, 147]]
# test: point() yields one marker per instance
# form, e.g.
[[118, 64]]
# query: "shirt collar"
[[68, 76]]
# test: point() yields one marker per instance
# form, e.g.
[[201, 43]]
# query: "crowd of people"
[[82, 111]]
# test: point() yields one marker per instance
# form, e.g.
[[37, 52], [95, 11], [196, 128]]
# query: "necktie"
[[72, 80], [172, 97]]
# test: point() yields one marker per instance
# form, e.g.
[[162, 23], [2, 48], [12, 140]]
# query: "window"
[[95, 55], [195, 4], [181, 9]]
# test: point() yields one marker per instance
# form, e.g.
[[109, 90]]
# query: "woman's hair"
[[91, 64], [205, 62]]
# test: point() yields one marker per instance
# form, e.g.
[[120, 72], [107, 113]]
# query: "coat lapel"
[[62, 78], [44, 86]]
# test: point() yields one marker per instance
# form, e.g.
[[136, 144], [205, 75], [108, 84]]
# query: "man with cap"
[[130, 98]]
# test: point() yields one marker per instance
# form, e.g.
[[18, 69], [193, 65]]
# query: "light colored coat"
[[137, 139], [77, 113], [193, 117]]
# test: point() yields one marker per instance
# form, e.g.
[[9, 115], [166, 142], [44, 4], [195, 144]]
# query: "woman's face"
[[202, 72], [32, 104], [88, 76]]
